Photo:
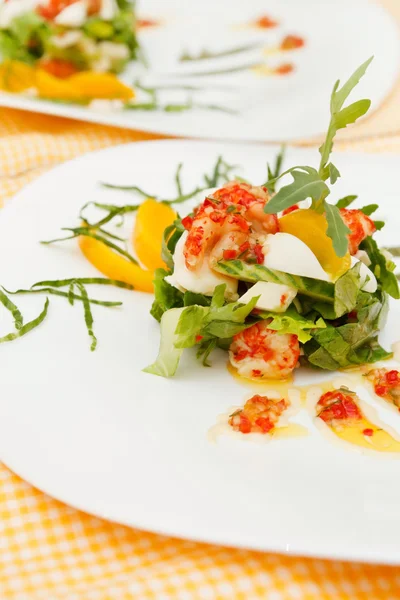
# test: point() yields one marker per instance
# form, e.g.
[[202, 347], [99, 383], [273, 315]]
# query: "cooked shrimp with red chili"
[[261, 353], [259, 415], [275, 285], [386, 384]]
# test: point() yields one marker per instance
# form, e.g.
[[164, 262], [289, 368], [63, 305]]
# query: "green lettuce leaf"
[[351, 343], [169, 355], [292, 322], [166, 296], [381, 268]]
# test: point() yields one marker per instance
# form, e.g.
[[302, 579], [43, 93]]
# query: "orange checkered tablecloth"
[[49, 551]]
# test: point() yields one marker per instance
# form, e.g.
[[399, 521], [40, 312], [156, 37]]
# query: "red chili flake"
[[199, 338], [256, 373], [284, 69], [265, 22], [292, 42], [217, 217], [283, 299], [368, 432], [258, 251], [392, 376], [142, 23], [244, 247], [187, 222], [353, 314], [229, 254], [380, 390], [264, 424], [245, 425], [291, 209]]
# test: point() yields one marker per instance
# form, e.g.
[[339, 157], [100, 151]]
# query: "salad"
[[64, 37], [277, 279]]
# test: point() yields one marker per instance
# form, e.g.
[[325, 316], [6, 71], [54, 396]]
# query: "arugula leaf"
[[379, 225], [334, 173], [306, 184], [337, 230], [311, 183], [369, 209], [380, 267], [274, 173], [346, 201], [341, 117]]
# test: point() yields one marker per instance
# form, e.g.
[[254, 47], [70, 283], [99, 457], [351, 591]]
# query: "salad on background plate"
[[67, 49]]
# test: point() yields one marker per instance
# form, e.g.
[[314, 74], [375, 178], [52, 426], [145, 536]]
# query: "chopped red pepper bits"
[[229, 254], [284, 69], [368, 432], [291, 209], [258, 251], [386, 384], [265, 22], [259, 415], [292, 42], [338, 406], [187, 222], [199, 338]]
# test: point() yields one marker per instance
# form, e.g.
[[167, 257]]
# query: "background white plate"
[[339, 37], [94, 431]]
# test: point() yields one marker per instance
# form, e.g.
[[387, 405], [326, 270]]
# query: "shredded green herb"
[[24, 329], [17, 316], [87, 314]]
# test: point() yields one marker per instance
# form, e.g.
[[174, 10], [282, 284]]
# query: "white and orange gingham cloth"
[[49, 551]]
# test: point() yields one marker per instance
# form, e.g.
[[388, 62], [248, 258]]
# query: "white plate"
[[271, 108], [94, 431]]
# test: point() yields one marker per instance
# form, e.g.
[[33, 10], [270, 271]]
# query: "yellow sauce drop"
[[258, 385], [293, 430], [380, 441]]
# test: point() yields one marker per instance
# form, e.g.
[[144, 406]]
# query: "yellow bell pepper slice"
[[310, 227], [114, 266], [82, 87], [54, 88], [151, 220], [100, 85], [16, 76]]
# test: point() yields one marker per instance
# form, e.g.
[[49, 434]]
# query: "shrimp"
[[259, 352], [259, 415], [360, 225], [237, 207], [238, 244]]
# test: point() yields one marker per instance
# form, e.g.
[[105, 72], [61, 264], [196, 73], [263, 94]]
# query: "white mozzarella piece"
[[73, 15], [201, 281], [15, 8], [68, 39], [113, 51], [273, 296], [108, 10], [368, 279], [285, 252]]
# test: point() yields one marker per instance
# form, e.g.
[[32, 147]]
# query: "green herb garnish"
[[309, 182]]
